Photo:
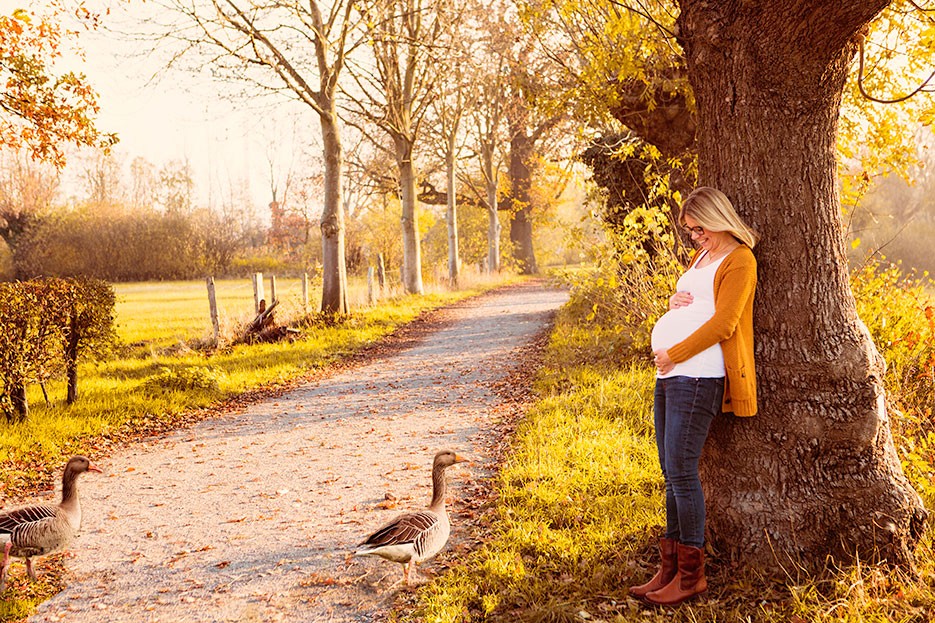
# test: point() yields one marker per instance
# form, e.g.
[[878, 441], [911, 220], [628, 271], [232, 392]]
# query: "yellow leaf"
[[927, 117], [855, 243]]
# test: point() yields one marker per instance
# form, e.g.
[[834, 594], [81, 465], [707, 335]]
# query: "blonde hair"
[[714, 211]]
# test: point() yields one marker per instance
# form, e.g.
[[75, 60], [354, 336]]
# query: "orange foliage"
[[38, 109]]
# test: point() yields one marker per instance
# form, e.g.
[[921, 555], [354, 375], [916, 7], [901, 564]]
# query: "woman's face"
[[706, 239]]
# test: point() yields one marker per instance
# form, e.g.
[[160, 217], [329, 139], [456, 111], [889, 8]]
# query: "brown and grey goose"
[[414, 537], [42, 529]]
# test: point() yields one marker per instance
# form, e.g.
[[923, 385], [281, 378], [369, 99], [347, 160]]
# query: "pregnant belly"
[[676, 325]]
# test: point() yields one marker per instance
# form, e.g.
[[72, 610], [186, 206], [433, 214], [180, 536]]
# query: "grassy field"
[[160, 315]]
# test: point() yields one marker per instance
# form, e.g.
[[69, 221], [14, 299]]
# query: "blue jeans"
[[683, 409]]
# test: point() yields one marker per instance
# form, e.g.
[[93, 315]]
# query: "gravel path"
[[250, 516]]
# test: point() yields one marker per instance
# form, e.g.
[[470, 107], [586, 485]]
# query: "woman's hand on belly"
[[663, 363], [680, 299]]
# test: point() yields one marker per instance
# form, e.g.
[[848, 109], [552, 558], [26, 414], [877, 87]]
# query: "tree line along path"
[[250, 516]]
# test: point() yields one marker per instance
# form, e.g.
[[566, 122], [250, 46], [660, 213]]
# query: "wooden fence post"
[[305, 293], [213, 306], [257, 292], [371, 295], [272, 289]]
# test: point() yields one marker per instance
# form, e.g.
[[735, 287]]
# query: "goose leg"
[[6, 564], [29, 569]]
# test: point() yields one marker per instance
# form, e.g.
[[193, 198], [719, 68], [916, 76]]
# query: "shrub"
[[46, 326], [28, 340], [183, 379], [618, 301], [899, 311]]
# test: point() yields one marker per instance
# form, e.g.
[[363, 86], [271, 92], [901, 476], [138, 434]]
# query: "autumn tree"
[[490, 59], [756, 90], [28, 344], [142, 183], [41, 110], [297, 50], [101, 177], [175, 186], [395, 89], [86, 324], [533, 118], [374, 222], [448, 109]]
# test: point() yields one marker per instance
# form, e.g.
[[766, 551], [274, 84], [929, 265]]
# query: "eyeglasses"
[[697, 230]]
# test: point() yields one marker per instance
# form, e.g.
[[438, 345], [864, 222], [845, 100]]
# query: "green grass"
[[579, 506], [160, 315]]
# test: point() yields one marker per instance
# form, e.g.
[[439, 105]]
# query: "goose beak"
[[94, 468], [460, 458]]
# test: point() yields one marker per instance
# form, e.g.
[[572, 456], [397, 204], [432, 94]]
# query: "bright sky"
[[180, 115]]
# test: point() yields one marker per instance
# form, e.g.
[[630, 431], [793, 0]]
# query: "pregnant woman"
[[703, 349]]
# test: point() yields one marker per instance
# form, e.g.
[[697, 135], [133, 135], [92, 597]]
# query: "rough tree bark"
[[815, 472]]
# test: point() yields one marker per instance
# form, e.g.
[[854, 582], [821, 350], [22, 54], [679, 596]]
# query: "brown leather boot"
[[688, 582], [668, 549]]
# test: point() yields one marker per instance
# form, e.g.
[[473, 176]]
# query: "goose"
[[42, 529], [415, 537]]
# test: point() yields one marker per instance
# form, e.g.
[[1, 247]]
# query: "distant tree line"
[[128, 245], [149, 228], [112, 233]]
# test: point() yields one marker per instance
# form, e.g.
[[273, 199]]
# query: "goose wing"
[[404, 529], [19, 517]]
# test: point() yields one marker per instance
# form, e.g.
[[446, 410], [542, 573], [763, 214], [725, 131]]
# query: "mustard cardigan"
[[732, 327]]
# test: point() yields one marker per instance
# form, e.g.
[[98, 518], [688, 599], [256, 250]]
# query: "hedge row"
[[46, 327]]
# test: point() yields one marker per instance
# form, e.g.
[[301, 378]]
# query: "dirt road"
[[250, 516]]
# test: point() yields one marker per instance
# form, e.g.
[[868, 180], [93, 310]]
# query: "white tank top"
[[677, 324]]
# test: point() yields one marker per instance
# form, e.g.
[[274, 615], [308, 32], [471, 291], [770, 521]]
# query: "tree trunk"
[[493, 218], [521, 149], [19, 403], [334, 267], [493, 235], [454, 259], [71, 358], [815, 472], [412, 261]]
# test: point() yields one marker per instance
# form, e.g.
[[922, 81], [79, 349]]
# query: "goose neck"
[[438, 487], [69, 486]]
